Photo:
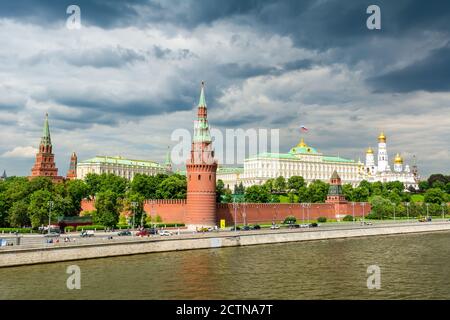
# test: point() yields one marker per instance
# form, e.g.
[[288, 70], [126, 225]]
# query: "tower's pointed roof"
[[4, 176], [45, 139], [201, 129], [335, 175], [202, 100]]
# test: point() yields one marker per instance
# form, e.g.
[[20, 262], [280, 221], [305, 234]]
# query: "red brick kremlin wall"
[[175, 211]]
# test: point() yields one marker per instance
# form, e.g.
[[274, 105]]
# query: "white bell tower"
[[383, 164]]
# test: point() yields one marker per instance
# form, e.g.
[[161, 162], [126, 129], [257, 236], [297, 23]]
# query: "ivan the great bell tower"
[[201, 170]]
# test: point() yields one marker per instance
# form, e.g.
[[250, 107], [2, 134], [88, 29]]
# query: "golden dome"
[[369, 151], [398, 159], [302, 143], [382, 137]]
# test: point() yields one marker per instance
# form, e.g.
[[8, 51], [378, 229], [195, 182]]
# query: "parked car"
[[313, 225], [367, 223], [237, 228], [87, 233], [246, 228], [274, 226], [293, 225], [305, 225], [124, 233], [142, 233], [256, 227], [204, 229], [165, 233]]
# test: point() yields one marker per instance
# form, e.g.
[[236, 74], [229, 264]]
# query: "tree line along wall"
[[175, 211]]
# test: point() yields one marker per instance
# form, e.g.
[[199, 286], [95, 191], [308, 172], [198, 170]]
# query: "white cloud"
[[21, 152]]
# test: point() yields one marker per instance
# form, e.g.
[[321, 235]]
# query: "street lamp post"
[[393, 204], [50, 206], [235, 212], [303, 212], [427, 204], [308, 205], [134, 205], [407, 211], [363, 205], [353, 211]]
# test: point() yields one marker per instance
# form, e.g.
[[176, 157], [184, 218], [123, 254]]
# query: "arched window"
[[199, 176]]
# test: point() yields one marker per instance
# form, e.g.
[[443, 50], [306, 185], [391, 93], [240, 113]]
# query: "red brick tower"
[[201, 172], [72, 173], [335, 194], [44, 165]]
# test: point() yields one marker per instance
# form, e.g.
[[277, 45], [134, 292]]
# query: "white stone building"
[[119, 166], [302, 160], [306, 161], [382, 170]]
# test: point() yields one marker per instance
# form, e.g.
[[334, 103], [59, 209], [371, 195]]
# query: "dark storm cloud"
[[236, 122], [103, 13], [430, 74], [108, 57], [247, 70]]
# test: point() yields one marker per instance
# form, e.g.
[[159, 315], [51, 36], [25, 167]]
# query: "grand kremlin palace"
[[301, 160], [306, 161]]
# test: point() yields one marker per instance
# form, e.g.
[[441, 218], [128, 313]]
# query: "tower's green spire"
[[201, 128], [46, 140], [202, 100]]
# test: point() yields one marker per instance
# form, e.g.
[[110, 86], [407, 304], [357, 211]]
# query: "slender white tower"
[[370, 161], [383, 163]]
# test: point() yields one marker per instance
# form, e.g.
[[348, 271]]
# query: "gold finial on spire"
[[382, 137], [398, 159], [302, 143], [369, 150]]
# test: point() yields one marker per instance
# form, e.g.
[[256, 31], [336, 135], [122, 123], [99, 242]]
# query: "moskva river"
[[411, 267]]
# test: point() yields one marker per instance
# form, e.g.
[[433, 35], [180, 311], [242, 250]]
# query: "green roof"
[[230, 170], [122, 161], [274, 156], [336, 159]]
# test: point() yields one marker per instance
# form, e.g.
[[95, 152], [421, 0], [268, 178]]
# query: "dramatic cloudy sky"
[[130, 76]]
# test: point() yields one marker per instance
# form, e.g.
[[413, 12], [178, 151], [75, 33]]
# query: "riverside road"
[[29, 241]]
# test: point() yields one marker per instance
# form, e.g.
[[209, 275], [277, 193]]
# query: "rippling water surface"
[[412, 267]]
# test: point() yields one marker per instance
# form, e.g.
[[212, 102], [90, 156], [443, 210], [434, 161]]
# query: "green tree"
[[280, 184], [77, 190], [107, 208], [366, 184], [39, 209], [257, 194], [347, 190], [138, 209], [447, 187], [437, 177], [381, 208], [423, 186], [318, 191], [360, 194], [220, 191], [295, 182], [435, 195], [439, 184], [18, 214], [173, 187], [303, 195]]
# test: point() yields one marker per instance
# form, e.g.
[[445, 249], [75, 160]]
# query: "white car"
[[165, 233], [274, 226], [304, 225]]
